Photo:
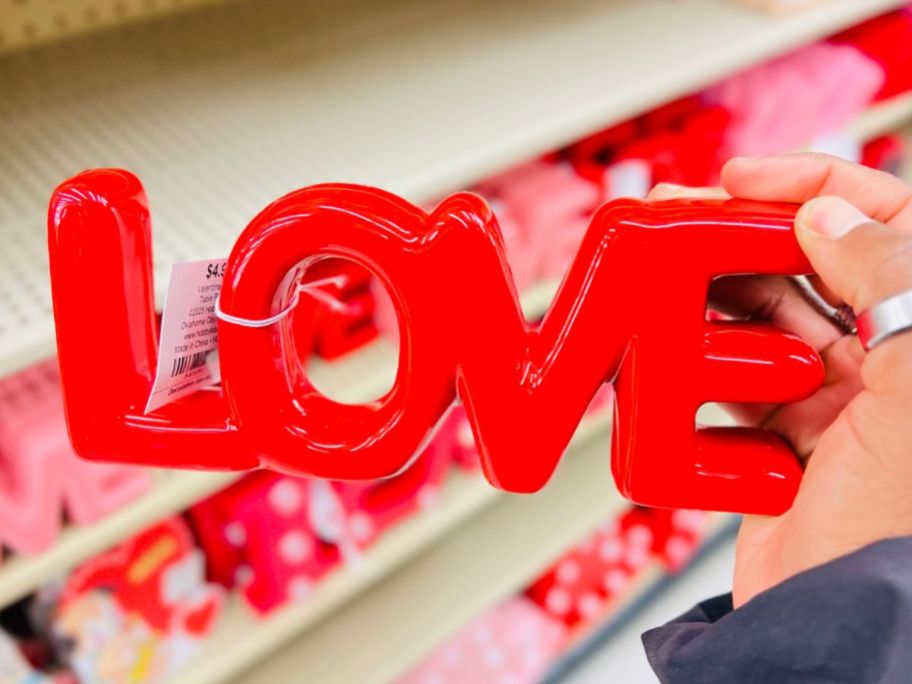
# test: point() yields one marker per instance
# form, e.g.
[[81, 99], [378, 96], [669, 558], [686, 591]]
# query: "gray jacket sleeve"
[[847, 621]]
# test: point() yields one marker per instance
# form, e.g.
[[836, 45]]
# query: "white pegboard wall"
[[25, 23], [223, 110]]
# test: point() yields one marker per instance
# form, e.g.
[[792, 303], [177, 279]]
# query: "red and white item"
[[275, 536], [685, 533], [578, 588], [514, 643], [345, 312], [371, 508], [257, 535], [40, 475], [139, 612]]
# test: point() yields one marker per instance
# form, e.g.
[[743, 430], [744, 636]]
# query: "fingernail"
[[830, 217]]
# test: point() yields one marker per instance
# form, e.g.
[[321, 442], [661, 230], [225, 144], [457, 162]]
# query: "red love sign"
[[631, 310]]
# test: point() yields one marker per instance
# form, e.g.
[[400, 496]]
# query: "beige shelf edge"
[[495, 542], [884, 117], [173, 491]]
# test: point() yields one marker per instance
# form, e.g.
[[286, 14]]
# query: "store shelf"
[[172, 492], [24, 24], [884, 117], [425, 585], [223, 109], [647, 587], [360, 376]]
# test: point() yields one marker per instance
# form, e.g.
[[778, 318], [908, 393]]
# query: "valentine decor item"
[[631, 309], [275, 536], [579, 587], [344, 320], [139, 612], [40, 476], [817, 90], [513, 642], [886, 39]]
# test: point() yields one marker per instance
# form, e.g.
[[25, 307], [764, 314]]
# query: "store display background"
[[163, 148], [621, 658], [223, 109]]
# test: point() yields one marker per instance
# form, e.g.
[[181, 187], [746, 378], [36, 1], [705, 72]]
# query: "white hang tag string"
[[314, 288]]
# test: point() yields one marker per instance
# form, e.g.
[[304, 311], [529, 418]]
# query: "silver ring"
[[891, 317], [845, 319]]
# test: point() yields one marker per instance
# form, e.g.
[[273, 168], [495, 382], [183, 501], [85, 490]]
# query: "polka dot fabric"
[[273, 537], [511, 644], [580, 586]]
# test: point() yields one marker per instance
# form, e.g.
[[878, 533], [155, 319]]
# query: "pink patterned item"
[[552, 206], [284, 556], [514, 642], [39, 473], [535, 203], [785, 103], [275, 536], [578, 588], [258, 536], [522, 258], [372, 507], [886, 39], [222, 533], [686, 531]]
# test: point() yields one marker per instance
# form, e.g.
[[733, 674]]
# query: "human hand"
[[854, 436]]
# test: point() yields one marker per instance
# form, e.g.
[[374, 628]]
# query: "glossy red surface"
[[631, 309]]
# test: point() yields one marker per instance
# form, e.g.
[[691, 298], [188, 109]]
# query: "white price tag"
[[187, 353]]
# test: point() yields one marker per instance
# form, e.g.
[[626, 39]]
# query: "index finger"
[[803, 176]]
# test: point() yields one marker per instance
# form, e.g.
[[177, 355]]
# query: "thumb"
[[862, 261]]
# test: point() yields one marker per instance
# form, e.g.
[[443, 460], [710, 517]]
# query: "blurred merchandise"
[[139, 612], [512, 642], [580, 587], [887, 40], [886, 153], [785, 103], [142, 611], [344, 318], [41, 478], [16, 668], [257, 536], [274, 536]]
